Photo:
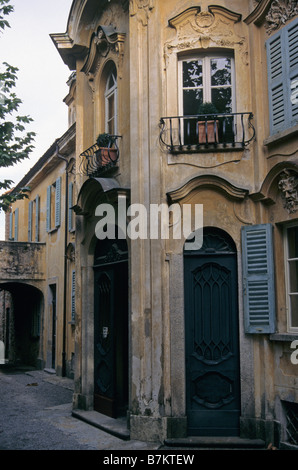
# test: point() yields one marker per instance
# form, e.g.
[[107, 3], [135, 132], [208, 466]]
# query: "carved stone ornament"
[[71, 252], [280, 12], [288, 184], [135, 5], [141, 9], [105, 40], [196, 29]]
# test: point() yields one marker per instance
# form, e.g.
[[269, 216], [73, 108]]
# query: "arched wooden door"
[[111, 327], [212, 343]]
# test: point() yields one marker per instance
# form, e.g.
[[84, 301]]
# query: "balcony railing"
[[207, 132], [98, 160]]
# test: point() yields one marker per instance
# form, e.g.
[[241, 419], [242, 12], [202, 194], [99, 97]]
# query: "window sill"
[[53, 230], [283, 336], [281, 136]]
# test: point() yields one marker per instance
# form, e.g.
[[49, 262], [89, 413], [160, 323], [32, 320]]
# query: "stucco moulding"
[[283, 177], [208, 181], [273, 13], [135, 5], [102, 42], [202, 29]]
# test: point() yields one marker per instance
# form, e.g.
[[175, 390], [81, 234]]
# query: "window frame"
[[108, 93], [33, 215], [287, 259], [54, 195], [206, 58]]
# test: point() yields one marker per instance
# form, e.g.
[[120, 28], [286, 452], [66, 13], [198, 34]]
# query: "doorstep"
[[216, 442], [116, 427]]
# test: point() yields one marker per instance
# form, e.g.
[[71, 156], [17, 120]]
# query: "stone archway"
[[22, 319]]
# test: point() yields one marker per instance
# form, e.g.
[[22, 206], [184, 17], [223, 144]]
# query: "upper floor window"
[[282, 61], [54, 205], [33, 220], [207, 78], [14, 225], [111, 103], [291, 257]]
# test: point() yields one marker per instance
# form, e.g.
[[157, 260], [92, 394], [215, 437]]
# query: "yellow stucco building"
[[182, 339]]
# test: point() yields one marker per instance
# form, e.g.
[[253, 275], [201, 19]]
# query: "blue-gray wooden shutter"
[[73, 293], [292, 40], [58, 202], [258, 278], [282, 59], [30, 211], [70, 204], [16, 225], [48, 226], [37, 218], [10, 225]]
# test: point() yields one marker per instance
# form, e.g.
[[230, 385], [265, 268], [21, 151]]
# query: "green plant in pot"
[[105, 140], [207, 108], [106, 153], [207, 129]]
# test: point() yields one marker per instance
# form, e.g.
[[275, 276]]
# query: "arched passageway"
[[20, 313]]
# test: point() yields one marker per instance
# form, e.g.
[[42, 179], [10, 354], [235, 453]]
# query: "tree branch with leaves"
[[16, 143]]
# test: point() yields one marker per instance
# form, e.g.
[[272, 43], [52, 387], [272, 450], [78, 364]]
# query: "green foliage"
[[5, 9], [207, 108], [105, 140], [15, 143]]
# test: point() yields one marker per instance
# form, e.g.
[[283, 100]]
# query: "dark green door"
[[111, 329], [212, 345]]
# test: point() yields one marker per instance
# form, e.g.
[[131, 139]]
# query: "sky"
[[42, 74]]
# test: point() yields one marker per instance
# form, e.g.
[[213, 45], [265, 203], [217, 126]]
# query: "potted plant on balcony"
[[107, 153], [207, 129]]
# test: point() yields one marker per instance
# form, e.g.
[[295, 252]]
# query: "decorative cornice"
[[258, 14], [105, 39], [266, 194], [204, 29], [68, 50], [208, 181]]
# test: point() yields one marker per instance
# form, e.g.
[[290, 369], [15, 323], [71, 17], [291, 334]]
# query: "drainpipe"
[[65, 263]]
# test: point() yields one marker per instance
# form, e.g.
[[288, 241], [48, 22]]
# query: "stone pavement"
[[36, 414]]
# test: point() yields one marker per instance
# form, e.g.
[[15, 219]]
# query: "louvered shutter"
[[58, 202], [292, 42], [48, 208], [73, 289], [282, 59], [276, 83], [30, 207], [16, 225], [37, 218], [258, 278], [70, 204]]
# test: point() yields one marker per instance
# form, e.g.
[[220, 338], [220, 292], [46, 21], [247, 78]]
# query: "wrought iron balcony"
[[207, 132], [98, 160]]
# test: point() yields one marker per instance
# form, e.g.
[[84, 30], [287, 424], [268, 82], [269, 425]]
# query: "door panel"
[[212, 352], [111, 338]]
